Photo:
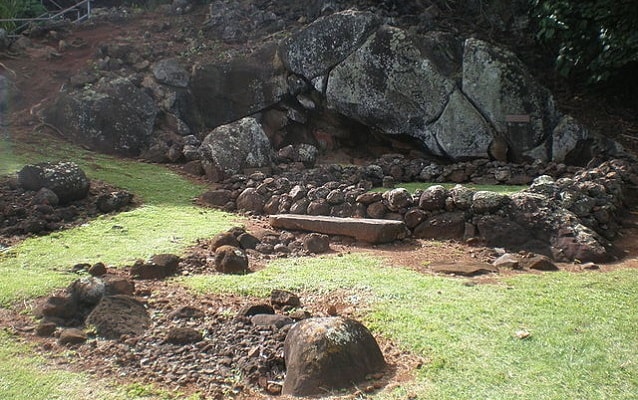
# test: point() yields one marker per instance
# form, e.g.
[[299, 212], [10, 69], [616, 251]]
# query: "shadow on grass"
[[166, 222], [154, 184]]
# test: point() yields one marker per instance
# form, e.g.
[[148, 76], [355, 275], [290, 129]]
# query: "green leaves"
[[10, 9], [594, 37]]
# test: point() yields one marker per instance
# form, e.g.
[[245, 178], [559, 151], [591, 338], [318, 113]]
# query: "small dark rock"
[[250, 200], [265, 248], [46, 196], [539, 263], [414, 217], [247, 241], [317, 243], [318, 207], [58, 307], [276, 320], [217, 198], [255, 309], [117, 285], [433, 198], [186, 312], [300, 206], [181, 336], [81, 267], [398, 199], [280, 298], [194, 167], [237, 230], [113, 201], [159, 267], [119, 315], [231, 260], [508, 261], [97, 269], [369, 198], [87, 290], [446, 226], [223, 239], [170, 262], [45, 329], [299, 314], [72, 336], [376, 210]]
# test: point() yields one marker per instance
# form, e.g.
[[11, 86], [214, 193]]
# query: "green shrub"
[[597, 38], [10, 9]]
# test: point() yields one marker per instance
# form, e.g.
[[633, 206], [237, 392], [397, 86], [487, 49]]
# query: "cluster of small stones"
[[391, 169], [25, 212], [206, 347], [286, 184], [61, 314], [597, 196], [229, 252], [594, 195], [214, 346]]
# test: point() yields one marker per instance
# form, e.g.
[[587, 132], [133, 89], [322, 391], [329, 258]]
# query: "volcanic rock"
[[119, 315], [328, 353]]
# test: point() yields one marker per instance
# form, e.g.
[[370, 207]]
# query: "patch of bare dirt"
[[234, 357]]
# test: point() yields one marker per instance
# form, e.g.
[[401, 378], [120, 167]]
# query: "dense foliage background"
[[595, 39], [19, 9]]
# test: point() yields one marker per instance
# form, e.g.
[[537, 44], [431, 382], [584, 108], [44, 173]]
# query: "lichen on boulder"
[[66, 179], [328, 353]]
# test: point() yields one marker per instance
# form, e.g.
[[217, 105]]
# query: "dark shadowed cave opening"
[[338, 138]]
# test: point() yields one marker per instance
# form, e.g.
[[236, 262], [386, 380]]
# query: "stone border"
[[572, 215]]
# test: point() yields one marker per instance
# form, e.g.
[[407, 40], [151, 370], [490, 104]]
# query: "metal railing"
[[78, 12]]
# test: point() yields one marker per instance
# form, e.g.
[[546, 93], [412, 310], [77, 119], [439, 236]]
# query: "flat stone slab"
[[463, 269], [364, 229]]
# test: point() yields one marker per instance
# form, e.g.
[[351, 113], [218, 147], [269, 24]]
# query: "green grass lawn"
[[583, 342], [9, 160], [25, 376], [166, 222]]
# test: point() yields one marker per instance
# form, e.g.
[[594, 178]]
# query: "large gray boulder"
[[233, 147], [326, 42], [574, 144], [567, 136], [66, 179], [388, 84], [114, 117], [168, 71], [543, 218], [503, 90], [461, 132], [225, 92]]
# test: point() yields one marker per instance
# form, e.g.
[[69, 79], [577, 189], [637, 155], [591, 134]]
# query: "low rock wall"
[[567, 213]]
